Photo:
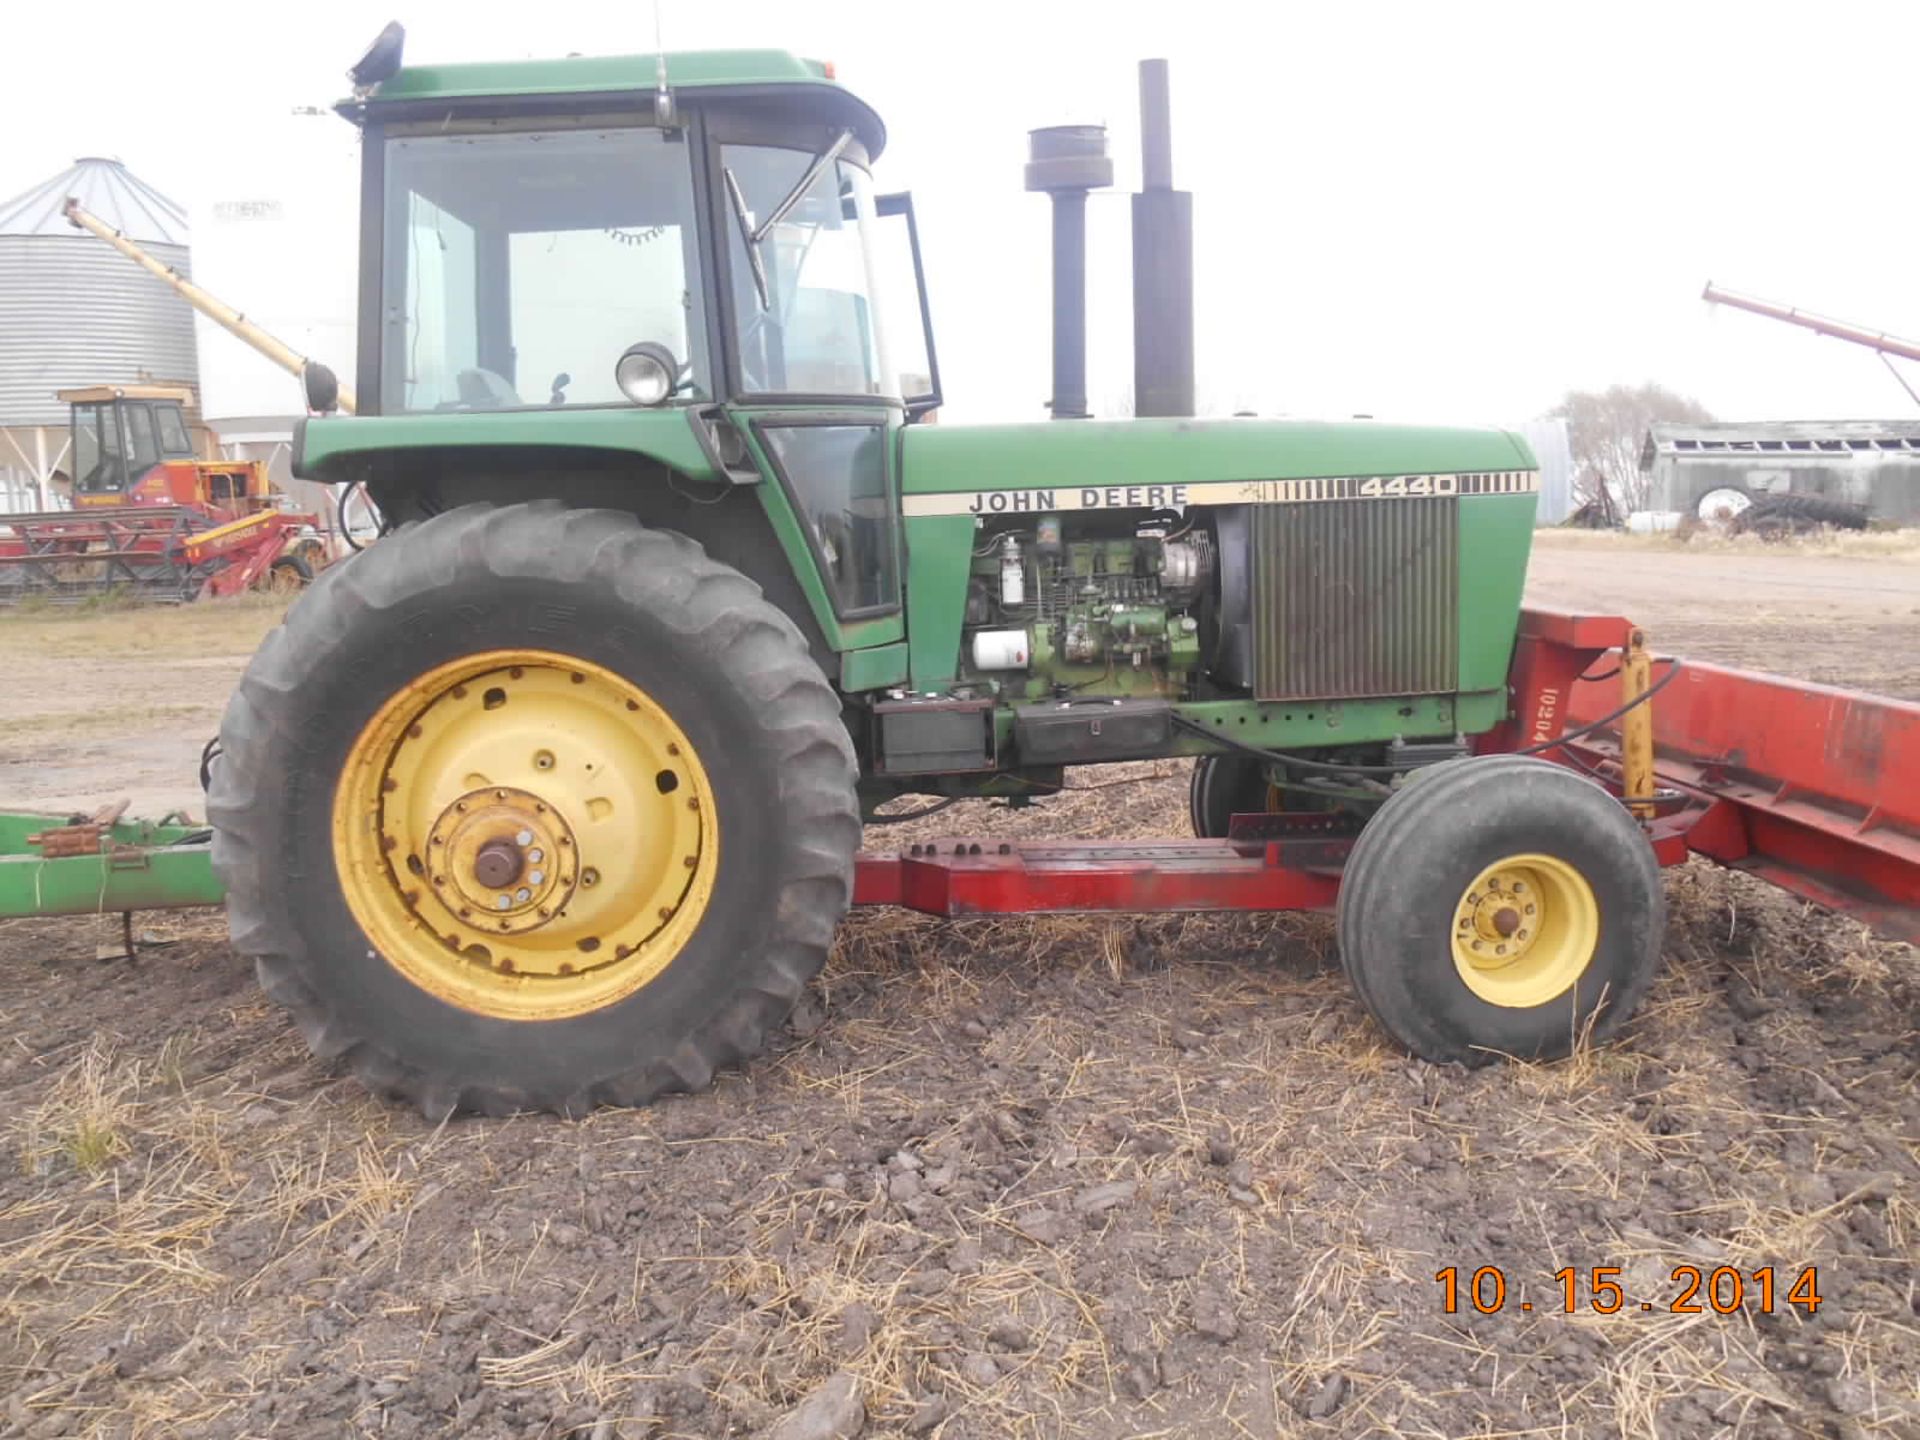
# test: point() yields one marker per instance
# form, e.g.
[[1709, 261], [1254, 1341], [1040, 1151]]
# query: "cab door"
[[812, 393]]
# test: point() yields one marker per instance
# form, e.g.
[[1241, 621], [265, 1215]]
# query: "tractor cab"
[[731, 248], [644, 256], [120, 434], [131, 447]]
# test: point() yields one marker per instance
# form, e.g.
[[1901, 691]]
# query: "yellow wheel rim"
[[525, 835], [1525, 930]]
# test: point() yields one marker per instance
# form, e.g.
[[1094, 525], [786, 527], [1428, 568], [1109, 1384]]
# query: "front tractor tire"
[[1224, 786], [529, 808], [1502, 906]]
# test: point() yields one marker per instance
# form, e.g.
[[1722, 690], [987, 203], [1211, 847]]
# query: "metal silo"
[[73, 312]]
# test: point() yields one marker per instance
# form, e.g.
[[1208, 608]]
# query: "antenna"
[[662, 97]]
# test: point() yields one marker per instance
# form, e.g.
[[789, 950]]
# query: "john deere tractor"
[[552, 797]]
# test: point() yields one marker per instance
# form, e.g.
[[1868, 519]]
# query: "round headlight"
[[646, 373]]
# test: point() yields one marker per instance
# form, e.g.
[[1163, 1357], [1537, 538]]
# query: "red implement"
[[997, 877], [1814, 789]]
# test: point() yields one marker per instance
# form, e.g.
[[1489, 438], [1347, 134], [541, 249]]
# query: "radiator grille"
[[1355, 598]]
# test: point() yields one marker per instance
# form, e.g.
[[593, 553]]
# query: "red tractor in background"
[[149, 517]]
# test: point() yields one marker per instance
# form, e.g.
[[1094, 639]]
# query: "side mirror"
[[560, 383], [322, 387]]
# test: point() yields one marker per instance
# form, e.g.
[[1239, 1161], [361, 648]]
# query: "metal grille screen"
[[1355, 598]]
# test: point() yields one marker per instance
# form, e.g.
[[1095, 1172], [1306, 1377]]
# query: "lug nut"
[[536, 856], [525, 837], [523, 894], [538, 877], [503, 902]]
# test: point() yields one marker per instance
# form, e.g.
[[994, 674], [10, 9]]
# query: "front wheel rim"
[[1525, 930], [525, 835]]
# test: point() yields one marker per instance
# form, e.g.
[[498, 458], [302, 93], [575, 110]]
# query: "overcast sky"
[[1421, 211]]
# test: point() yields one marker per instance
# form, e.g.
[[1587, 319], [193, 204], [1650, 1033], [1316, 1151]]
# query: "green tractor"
[[552, 798]]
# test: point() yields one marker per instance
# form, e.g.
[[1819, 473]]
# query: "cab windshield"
[[519, 266], [804, 321]]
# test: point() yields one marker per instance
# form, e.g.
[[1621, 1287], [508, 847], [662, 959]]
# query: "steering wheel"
[[484, 390]]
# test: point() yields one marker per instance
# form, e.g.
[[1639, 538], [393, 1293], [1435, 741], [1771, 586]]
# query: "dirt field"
[[1070, 1177], [1846, 612]]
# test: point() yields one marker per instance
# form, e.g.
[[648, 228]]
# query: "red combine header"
[[149, 518]]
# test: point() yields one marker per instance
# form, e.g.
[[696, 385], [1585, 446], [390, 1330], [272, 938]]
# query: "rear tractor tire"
[[1799, 514], [528, 808], [1503, 906]]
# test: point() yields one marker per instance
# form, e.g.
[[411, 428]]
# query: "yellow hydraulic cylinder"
[[1636, 726]]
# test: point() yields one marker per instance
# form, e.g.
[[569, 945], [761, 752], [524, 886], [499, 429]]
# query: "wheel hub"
[[484, 811], [1525, 930], [1498, 919], [502, 859]]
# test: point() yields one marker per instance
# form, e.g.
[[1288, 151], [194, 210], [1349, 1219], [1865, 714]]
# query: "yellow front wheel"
[[1525, 930], [288, 575], [1501, 906], [529, 808]]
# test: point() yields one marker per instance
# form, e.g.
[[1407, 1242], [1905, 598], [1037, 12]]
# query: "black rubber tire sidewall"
[[1224, 786]]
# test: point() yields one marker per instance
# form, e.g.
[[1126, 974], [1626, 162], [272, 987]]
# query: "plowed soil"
[[1014, 1178]]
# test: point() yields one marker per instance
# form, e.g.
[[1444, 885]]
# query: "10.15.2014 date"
[[1720, 1291]]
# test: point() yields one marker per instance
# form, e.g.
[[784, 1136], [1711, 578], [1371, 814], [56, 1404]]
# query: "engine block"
[[1049, 605]]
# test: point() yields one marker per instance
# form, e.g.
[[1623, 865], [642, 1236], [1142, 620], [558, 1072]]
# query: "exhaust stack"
[[1162, 262], [1066, 161]]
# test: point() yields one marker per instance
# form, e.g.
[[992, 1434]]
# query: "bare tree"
[[1606, 430]]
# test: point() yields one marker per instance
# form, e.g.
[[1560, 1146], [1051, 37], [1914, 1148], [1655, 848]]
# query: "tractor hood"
[[1143, 456]]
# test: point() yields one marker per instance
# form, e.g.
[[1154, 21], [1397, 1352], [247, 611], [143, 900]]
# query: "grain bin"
[[72, 311]]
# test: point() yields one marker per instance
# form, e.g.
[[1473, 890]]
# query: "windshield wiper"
[[753, 234], [749, 238], [820, 162]]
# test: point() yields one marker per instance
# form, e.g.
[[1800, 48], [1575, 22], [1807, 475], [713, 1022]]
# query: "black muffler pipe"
[[1066, 161], [1162, 262]]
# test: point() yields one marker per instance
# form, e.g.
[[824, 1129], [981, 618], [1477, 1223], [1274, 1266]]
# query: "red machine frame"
[[141, 546], [1778, 777]]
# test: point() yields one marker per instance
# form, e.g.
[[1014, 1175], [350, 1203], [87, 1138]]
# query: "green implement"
[[65, 865]]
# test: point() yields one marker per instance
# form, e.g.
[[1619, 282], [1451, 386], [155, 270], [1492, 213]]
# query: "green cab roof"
[[736, 71]]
